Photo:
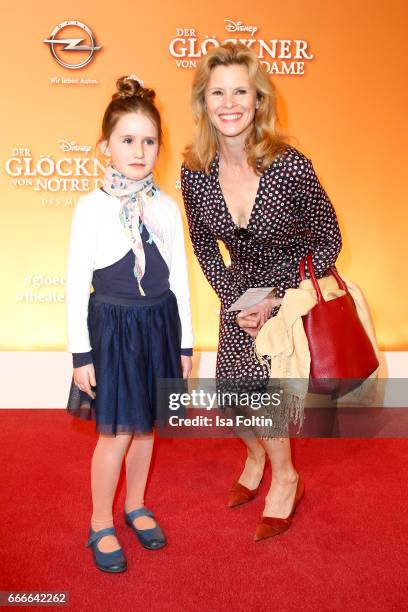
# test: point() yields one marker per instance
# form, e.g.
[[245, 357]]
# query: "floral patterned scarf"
[[136, 211]]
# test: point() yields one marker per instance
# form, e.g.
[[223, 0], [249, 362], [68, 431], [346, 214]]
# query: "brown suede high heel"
[[272, 525], [241, 495]]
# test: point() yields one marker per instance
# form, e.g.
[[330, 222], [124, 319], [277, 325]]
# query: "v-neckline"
[[254, 205]]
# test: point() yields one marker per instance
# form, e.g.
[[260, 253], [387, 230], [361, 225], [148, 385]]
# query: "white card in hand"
[[252, 296]]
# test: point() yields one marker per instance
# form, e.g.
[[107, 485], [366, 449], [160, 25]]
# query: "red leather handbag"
[[341, 352]]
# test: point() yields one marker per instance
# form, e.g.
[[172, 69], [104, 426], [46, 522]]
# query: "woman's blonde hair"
[[264, 142]]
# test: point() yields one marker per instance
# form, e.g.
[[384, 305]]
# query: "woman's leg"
[[105, 469], [138, 460], [255, 462], [228, 369], [281, 495]]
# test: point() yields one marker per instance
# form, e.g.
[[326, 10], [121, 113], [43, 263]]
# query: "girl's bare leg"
[[138, 460], [105, 469]]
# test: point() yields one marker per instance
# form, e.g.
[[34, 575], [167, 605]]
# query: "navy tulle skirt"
[[134, 344]]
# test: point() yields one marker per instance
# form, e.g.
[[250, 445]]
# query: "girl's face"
[[133, 145], [231, 100]]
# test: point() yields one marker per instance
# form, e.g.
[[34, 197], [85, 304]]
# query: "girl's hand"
[[84, 378], [252, 319], [186, 365]]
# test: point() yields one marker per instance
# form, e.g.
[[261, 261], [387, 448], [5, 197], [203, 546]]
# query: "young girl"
[[127, 242]]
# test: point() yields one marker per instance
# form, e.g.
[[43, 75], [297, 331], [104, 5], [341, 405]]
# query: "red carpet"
[[346, 550]]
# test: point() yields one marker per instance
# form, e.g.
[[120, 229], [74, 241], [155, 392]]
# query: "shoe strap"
[[139, 512], [97, 535]]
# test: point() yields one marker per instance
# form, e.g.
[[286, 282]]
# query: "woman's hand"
[[186, 365], [84, 378], [249, 323], [252, 319]]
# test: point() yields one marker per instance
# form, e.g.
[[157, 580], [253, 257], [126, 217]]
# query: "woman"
[[243, 185]]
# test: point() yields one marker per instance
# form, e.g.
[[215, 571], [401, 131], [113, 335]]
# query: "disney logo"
[[73, 146], [238, 26]]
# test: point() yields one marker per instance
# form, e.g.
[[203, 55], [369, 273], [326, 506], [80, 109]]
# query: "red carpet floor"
[[346, 550]]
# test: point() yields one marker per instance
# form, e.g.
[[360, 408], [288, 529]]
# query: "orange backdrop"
[[346, 112]]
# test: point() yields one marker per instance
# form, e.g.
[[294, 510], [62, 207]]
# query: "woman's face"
[[231, 100]]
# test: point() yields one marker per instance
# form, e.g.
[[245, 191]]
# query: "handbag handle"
[[308, 260]]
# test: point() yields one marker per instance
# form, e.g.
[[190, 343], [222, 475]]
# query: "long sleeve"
[[80, 267], [204, 243], [179, 284], [319, 222]]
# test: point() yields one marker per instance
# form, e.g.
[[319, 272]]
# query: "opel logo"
[[58, 43]]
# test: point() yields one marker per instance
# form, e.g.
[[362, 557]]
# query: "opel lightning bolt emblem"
[[71, 44]]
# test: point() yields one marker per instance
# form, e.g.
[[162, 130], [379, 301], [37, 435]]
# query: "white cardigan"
[[98, 240]]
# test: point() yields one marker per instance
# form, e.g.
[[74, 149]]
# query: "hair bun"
[[131, 86]]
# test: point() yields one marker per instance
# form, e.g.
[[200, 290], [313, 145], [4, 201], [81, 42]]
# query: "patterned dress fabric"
[[292, 216]]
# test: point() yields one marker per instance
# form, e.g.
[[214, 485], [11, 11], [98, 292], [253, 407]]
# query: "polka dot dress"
[[291, 217]]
